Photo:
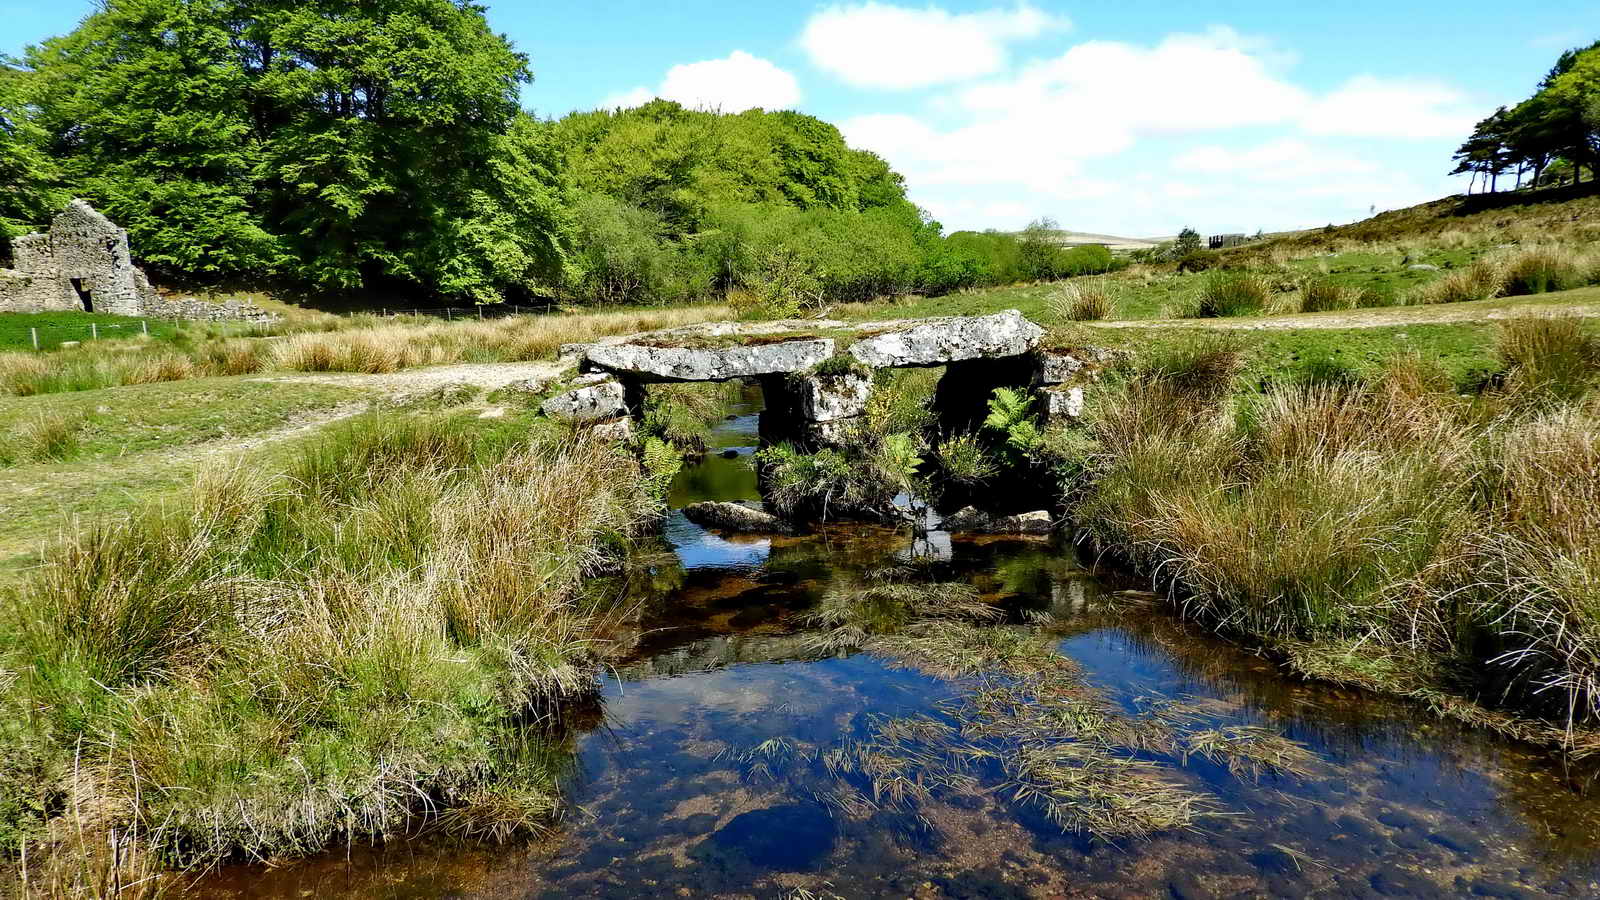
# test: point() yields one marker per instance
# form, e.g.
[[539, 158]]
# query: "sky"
[[1132, 117]]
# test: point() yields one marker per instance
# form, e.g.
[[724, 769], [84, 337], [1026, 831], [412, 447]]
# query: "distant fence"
[[452, 313], [50, 335]]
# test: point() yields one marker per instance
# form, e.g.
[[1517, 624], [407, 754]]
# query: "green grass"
[[55, 327], [130, 447]]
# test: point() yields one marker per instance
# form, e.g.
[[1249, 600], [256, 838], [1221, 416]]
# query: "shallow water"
[[701, 780]]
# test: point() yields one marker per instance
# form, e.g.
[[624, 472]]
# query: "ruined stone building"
[[83, 263]]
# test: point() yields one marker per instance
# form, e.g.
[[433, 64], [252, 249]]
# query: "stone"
[[972, 520], [936, 342], [1063, 366], [1422, 267], [827, 398], [615, 430], [735, 517], [836, 433], [647, 362], [594, 403], [1061, 404]]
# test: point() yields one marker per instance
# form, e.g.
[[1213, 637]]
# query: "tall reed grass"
[[341, 651], [1390, 510], [365, 344]]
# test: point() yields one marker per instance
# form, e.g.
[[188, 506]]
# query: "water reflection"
[[704, 779]]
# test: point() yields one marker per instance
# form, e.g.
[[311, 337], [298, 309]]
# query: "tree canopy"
[[343, 146], [1556, 129]]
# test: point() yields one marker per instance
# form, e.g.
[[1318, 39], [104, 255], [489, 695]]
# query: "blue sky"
[[1135, 117]]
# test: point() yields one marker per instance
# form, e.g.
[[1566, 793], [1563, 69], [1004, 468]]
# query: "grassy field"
[[128, 446], [16, 329]]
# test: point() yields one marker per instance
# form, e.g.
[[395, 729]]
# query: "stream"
[[699, 775]]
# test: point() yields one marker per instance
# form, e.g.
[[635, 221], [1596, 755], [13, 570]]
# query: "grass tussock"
[[1325, 295], [41, 436], [1538, 270], [1232, 292], [1385, 508], [342, 651], [1481, 280], [1085, 300]]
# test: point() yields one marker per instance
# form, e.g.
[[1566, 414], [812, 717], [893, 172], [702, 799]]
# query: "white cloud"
[[879, 45], [1206, 128], [1282, 160], [735, 83], [1366, 106]]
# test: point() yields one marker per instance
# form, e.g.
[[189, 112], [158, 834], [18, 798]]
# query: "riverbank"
[[276, 661]]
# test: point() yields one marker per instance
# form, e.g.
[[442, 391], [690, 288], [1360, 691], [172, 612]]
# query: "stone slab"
[[647, 362], [936, 342]]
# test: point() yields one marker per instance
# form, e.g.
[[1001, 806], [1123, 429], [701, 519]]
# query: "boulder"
[[826, 398], [1061, 403], [590, 403], [972, 520], [648, 362], [615, 430], [935, 342], [1422, 267], [736, 517]]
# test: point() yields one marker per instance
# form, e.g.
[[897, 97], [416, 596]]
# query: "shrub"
[[965, 460], [1083, 301], [1199, 261], [1232, 293], [1372, 297]]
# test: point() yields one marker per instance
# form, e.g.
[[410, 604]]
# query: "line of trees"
[[380, 146], [1548, 138]]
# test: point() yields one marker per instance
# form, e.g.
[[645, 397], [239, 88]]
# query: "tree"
[[29, 178], [339, 144], [1188, 242]]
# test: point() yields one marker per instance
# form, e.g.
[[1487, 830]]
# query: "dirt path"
[[1444, 313], [489, 376]]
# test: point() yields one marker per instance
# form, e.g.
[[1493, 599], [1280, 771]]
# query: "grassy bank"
[[370, 639], [1380, 510]]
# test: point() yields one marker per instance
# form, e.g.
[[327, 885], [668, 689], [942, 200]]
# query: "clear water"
[[669, 800]]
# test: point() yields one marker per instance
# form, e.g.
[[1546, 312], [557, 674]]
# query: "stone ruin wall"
[[84, 254]]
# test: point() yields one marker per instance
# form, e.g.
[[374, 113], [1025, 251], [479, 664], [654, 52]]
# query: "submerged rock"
[[972, 520], [736, 517], [649, 362], [793, 837], [935, 342]]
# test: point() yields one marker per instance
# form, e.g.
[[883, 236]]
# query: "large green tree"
[[29, 178], [340, 144]]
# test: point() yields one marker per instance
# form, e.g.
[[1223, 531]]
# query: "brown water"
[[670, 796]]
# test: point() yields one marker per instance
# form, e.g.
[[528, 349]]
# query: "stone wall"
[[84, 263]]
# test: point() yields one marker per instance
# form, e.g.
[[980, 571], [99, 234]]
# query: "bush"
[[965, 460], [1232, 293], [1199, 261]]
